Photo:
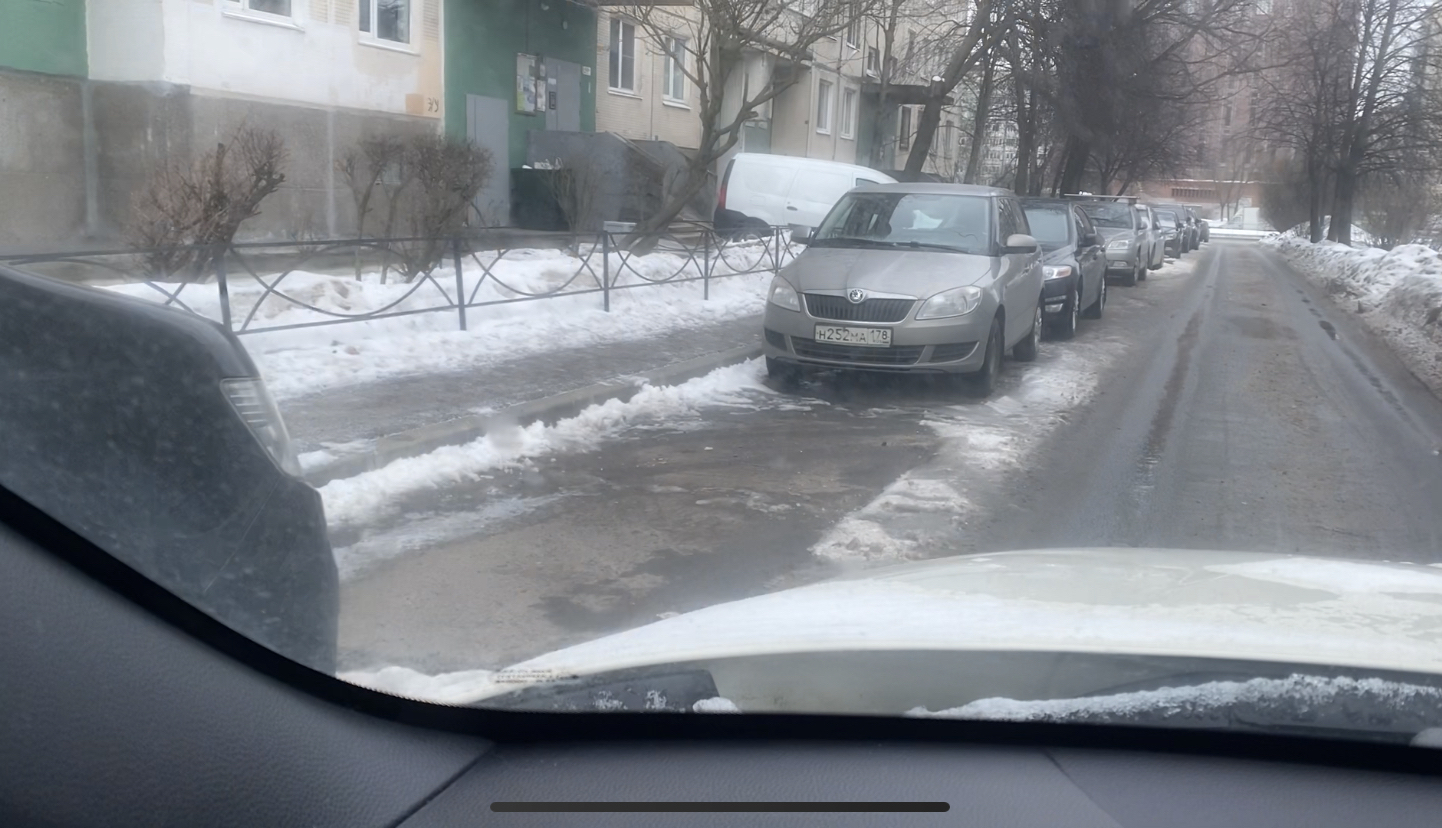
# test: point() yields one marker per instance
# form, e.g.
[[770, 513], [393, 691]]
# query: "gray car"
[[918, 278], [1123, 236]]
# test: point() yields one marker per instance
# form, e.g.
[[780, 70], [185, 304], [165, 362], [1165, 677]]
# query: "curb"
[[417, 441]]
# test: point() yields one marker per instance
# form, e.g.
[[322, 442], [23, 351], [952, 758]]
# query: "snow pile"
[[310, 360], [1284, 698], [715, 705], [1397, 291], [372, 494], [445, 688]]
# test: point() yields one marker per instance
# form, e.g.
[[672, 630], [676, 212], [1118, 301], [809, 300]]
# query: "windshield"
[[1109, 215], [1050, 225], [669, 355], [957, 222]]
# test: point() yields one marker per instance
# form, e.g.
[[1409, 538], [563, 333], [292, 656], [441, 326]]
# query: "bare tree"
[[971, 44], [729, 51], [188, 213]]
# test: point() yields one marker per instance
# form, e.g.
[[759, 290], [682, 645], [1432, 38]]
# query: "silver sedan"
[[937, 278]]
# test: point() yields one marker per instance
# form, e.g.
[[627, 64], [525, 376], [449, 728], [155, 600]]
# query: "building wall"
[[42, 155], [44, 37], [646, 113], [482, 41]]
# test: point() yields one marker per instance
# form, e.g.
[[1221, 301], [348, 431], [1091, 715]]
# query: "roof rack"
[[1089, 197]]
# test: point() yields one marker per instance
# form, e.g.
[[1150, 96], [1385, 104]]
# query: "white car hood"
[[1163, 602]]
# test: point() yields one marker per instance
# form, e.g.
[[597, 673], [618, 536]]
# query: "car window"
[[1009, 219], [958, 222], [1109, 214], [1050, 224]]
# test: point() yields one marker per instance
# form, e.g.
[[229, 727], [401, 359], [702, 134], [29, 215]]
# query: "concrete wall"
[[79, 151], [44, 36], [646, 113], [316, 56]]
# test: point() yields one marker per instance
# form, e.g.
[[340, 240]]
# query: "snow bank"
[[373, 494], [309, 360], [1398, 292], [1198, 701]]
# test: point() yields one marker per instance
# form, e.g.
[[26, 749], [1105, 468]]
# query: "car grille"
[[775, 339], [952, 351], [841, 309], [905, 355]]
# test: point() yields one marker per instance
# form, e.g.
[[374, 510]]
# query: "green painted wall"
[[44, 36], [483, 38]]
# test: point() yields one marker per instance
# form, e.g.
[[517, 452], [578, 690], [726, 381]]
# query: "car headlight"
[[1119, 244], [954, 302], [784, 295], [1056, 271]]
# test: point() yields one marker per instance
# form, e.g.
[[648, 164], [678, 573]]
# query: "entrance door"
[[563, 95], [487, 125]]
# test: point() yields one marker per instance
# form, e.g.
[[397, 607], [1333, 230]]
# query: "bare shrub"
[[576, 183], [188, 213]]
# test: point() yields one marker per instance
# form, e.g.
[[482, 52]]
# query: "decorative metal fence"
[[246, 282]]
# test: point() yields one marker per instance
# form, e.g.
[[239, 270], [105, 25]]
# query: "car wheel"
[[1094, 310], [983, 381], [1130, 280], [1027, 349], [1065, 327], [788, 375], [1141, 271]]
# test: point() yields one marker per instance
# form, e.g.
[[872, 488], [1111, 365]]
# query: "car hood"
[[1140, 602], [918, 273]]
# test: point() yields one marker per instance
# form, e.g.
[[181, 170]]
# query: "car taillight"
[[721, 197], [250, 399]]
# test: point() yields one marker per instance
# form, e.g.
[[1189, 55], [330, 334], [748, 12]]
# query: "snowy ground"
[[1398, 293], [308, 360]]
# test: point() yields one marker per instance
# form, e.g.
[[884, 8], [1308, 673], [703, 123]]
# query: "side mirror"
[[1090, 239], [801, 233], [1020, 243]]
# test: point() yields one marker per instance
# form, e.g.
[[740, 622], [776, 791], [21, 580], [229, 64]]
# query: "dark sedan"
[[1073, 263], [1174, 232], [148, 430]]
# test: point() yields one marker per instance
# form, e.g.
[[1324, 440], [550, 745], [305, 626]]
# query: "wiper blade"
[[840, 240], [916, 245]]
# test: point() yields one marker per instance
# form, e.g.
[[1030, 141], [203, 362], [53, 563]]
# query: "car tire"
[[1130, 280], [982, 382], [788, 375], [1094, 310], [1027, 349], [1141, 271], [1065, 327]]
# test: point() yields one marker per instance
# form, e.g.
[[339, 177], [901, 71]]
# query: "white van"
[[759, 190]]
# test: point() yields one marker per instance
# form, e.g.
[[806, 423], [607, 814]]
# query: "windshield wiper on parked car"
[[913, 245]]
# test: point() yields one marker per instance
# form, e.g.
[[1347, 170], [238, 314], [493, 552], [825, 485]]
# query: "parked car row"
[[947, 278]]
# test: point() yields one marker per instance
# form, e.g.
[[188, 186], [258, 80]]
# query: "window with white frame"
[[873, 61], [388, 20], [848, 113], [622, 55], [853, 33], [279, 8], [823, 106], [673, 70]]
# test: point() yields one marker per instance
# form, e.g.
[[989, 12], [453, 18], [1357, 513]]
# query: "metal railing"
[[479, 269]]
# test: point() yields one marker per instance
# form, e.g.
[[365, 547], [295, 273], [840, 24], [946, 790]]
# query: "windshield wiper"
[[853, 239], [914, 245]]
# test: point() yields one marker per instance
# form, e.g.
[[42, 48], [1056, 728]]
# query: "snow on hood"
[[1182, 603]]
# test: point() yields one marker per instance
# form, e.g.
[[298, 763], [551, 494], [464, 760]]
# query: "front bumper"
[[937, 346], [1054, 293], [1123, 260]]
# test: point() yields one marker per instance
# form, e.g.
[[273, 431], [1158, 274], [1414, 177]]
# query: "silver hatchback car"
[[939, 278]]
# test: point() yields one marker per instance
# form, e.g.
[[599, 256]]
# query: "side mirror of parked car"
[[800, 233], [1090, 239], [1019, 243]]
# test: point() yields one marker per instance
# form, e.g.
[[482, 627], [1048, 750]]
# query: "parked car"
[[759, 191], [149, 431], [1173, 232], [1206, 230], [1073, 263], [1191, 234], [938, 278], [1156, 252], [1122, 233]]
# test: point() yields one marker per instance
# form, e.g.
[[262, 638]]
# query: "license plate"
[[868, 337]]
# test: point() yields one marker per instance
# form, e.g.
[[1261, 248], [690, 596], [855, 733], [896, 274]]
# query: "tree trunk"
[[1074, 164], [1025, 140], [925, 134], [978, 124]]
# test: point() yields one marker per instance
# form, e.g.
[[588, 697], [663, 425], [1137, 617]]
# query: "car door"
[[759, 189], [1089, 257], [1020, 288]]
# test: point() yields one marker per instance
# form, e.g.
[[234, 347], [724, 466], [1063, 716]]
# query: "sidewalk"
[[342, 432]]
